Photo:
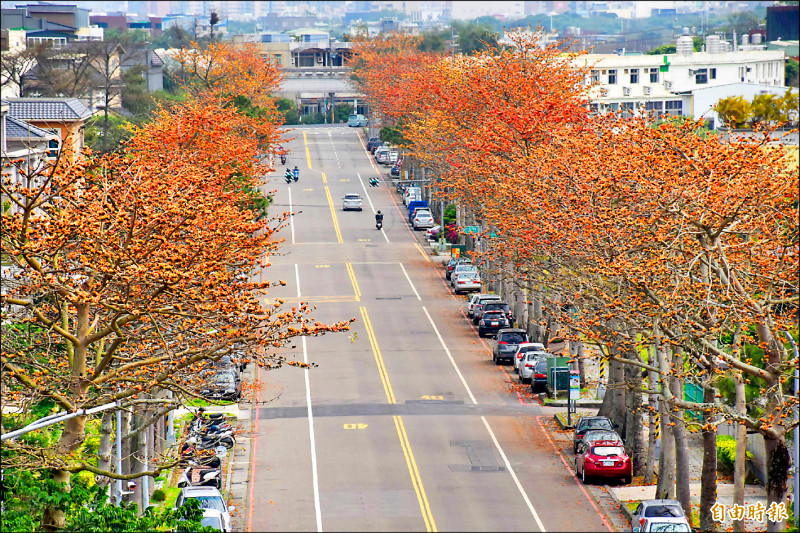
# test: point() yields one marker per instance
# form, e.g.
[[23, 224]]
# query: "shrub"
[[158, 495], [726, 452]]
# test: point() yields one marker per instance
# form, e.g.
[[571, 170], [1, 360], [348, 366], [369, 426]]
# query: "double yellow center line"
[[416, 479]]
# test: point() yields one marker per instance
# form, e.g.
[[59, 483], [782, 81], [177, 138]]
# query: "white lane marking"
[[370, 202], [297, 278], [314, 475], [291, 217], [488, 428], [513, 475], [447, 351], [412, 285]]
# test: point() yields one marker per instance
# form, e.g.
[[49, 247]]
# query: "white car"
[[423, 220], [524, 348], [462, 268], [467, 282], [665, 524], [382, 155], [478, 300], [209, 498], [528, 363], [214, 519], [351, 201], [412, 194]]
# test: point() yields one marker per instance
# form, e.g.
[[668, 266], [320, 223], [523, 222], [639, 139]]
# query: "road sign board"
[[471, 230]]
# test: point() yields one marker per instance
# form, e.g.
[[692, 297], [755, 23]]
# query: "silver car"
[[209, 498], [467, 282], [351, 201], [528, 364], [478, 300], [422, 220], [524, 348], [460, 268]]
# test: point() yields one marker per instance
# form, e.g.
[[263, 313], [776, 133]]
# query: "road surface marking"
[[297, 278], [333, 215], [352, 275], [428, 259], [387, 386], [409, 281], [574, 474], [491, 433], [291, 216], [416, 480], [355, 426], [314, 475], [324, 178], [514, 475], [308, 154], [370, 200], [447, 351], [322, 266], [432, 397]]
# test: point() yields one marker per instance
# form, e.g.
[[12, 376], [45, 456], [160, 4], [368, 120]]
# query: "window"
[[741, 73], [634, 75], [701, 76], [654, 109], [612, 76], [712, 73], [595, 77], [674, 107], [654, 75]]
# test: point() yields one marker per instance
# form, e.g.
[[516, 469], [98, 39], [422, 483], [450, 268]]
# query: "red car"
[[603, 458]]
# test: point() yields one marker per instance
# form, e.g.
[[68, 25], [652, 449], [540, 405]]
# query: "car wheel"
[[574, 448], [227, 442], [627, 480]]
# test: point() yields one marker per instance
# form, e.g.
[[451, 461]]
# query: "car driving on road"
[[352, 201]]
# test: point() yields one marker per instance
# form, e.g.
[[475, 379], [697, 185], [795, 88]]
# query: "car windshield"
[[494, 315], [607, 451], [597, 423], [210, 502], [663, 510], [541, 366], [669, 526], [497, 306], [352, 197], [224, 379], [212, 521], [512, 338], [601, 435]]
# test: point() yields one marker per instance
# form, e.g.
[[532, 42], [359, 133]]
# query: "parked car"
[[209, 498], [495, 306], [433, 233], [453, 263], [528, 363], [462, 268], [491, 322], [603, 459], [375, 146], [656, 509], [394, 156], [213, 519], [395, 172], [352, 201], [380, 152], [222, 385], [585, 423], [467, 282], [422, 220], [539, 381], [523, 349], [477, 299], [595, 435], [507, 339], [663, 524], [371, 143], [412, 194]]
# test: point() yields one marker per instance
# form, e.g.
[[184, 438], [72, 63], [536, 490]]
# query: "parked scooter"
[[209, 442], [204, 477]]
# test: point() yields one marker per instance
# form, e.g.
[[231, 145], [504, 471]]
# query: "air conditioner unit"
[[319, 59], [668, 85], [626, 91], [647, 89], [603, 92]]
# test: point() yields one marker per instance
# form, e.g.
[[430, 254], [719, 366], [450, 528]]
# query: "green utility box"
[[558, 373]]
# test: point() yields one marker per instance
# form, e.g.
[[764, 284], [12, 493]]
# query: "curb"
[[622, 507], [561, 423]]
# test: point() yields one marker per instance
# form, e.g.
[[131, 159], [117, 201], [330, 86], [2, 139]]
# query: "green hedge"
[[726, 452]]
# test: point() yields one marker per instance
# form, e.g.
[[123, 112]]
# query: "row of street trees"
[[673, 251], [133, 268]]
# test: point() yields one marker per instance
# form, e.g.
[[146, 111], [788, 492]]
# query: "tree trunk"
[[54, 519], [126, 453], [778, 463], [665, 485], [650, 470], [580, 355], [104, 450], [634, 434], [739, 465], [613, 405], [682, 468], [136, 443], [708, 480]]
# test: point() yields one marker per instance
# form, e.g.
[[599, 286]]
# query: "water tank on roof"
[[745, 39], [713, 44], [685, 45], [756, 38]]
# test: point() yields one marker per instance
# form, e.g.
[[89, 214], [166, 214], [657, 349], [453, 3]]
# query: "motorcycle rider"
[[282, 152], [296, 173], [379, 219], [288, 175]]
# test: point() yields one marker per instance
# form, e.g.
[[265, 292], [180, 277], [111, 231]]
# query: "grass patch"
[[171, 494], [632, 504], [198, 402]]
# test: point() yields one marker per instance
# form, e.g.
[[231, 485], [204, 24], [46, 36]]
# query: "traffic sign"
[[471, 230]]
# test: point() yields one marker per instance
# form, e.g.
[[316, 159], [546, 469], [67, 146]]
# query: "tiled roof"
[[155, 59], [56, 109], [19, 129]]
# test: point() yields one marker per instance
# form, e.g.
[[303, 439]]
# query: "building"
[[122, 22], [686, 83], [783, 23], [64, 117]]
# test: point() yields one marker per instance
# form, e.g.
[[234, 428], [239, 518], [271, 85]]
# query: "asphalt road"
[[405, 424]]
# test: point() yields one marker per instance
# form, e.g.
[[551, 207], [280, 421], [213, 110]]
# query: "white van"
[[412, 194]]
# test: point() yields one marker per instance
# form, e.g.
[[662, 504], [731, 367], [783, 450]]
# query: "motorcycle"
[[210, 442], [195, 475], [296, 174], [288, 176], [283, 159], [379, 224]]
